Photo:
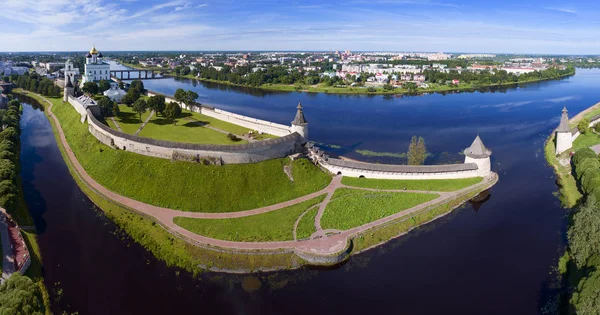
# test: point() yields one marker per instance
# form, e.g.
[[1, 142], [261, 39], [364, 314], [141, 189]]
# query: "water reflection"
[[480, 199]]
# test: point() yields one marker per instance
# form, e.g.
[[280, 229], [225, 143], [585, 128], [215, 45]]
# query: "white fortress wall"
[[366, 173], [78, 107], [244, 121]]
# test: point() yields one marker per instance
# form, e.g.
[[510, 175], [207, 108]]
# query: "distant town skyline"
[[532, 27]]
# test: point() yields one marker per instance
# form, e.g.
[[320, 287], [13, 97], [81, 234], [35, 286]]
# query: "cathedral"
[[95, 68]]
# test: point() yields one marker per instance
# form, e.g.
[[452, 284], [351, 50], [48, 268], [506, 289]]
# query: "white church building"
[[95, 68]]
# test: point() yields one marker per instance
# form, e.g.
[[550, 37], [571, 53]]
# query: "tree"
[[115, 109], [20, 295], [137, 84], [584, 125], [190, 99], [140, 107], [157, 103], [131, 96], [180, 95], [90, 88], [5, 78], [106, 105], [417, 152], [172, 111], [584, 232], [121, 85], [103, 85]]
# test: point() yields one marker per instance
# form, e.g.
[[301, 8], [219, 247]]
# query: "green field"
[[128, 120], [306, 226], [272, 226], [183, 185], [351, 208], [191, 127], [585, 141], [427, 184]]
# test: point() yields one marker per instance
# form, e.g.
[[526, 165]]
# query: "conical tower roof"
[[564, 121], [299, 120], [477, 150]]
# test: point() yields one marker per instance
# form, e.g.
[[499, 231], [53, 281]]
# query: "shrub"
[[582, 154], [233, 137], [7, 187], [587, 178], [585, 165], [584, 125], [7, 155], [7, 170], [597, 127], [371, 89]]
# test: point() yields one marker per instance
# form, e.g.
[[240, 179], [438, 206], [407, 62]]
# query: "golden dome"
[[94, 51]]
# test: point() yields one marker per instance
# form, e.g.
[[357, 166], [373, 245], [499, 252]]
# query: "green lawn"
[[188, 186], [191, 127], [272, 226], [306, 226], [428, 185], [128, 119], [585, 141], [351, 208], [184, 131]]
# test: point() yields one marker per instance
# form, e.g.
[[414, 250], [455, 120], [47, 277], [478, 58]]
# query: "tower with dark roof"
[[299, 124], [477, 153], [564, 137]]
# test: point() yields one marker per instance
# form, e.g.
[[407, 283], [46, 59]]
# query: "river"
[[497, 260]]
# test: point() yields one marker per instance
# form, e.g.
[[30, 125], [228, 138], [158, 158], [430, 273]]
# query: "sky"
[[503, 26]]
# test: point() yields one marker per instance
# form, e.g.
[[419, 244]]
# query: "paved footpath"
[[144, 124], [322, 245]]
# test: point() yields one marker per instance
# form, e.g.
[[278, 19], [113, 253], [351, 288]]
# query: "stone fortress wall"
[[477, 164], [283, 146], [240, 120], [291, 140]]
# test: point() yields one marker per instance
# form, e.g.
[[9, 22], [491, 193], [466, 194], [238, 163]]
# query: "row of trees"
[[497, 77], [9, 155], [584, 234], [34, 83], [20, 295], [281, 75]]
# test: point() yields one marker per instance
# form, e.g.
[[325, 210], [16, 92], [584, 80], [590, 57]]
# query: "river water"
[[497, 260]]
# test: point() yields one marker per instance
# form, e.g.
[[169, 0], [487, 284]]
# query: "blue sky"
[[561, 27]]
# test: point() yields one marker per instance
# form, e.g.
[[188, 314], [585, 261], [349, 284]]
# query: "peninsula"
[[273, 202]]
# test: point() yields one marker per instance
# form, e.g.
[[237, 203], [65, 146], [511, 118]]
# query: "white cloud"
[[565, 10]]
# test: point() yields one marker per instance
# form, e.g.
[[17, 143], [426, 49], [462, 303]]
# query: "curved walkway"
[[319, 246]]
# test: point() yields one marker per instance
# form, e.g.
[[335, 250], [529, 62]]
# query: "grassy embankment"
[[384, 233], [350, 208], [574, 278], [165, 246], [425, 185], [191, 187], [272, 226], [568, 192], [319, 88]]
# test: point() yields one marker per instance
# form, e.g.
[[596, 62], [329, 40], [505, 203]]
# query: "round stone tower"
[[477, 153], [299, 124], [564, 138], [69, 89]]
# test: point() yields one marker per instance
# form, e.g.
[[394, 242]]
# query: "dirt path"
[[322, 245]]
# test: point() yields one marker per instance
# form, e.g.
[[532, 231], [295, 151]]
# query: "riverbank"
[[284, 258], [14, 201], [378, 90], [576, 275]]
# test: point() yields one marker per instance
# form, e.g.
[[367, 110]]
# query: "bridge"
[[126, 74]]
